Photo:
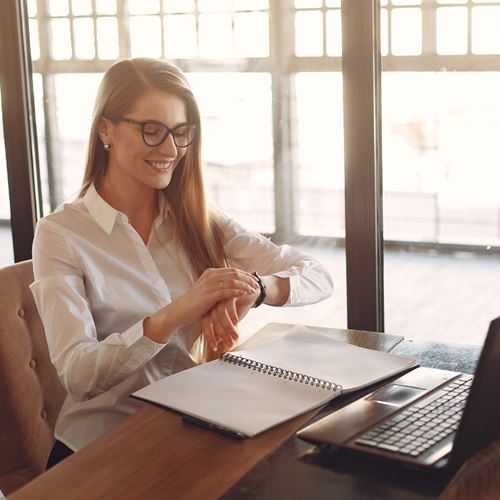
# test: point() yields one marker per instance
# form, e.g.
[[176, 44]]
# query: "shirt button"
[[20, 312], [43, 414], [32, 363]]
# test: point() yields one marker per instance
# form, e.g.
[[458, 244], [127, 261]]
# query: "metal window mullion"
[[162, 28], [54, 164], [71, 19], [233, 31], [19, 127], [389, 29], [363, 179], [123, 20], [429, 34], [196, 14], [283, 99], [94, 22], [43, 34], [469, 28], [324, 10], [49, 109]]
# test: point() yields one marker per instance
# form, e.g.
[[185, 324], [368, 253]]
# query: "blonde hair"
[[196, 226]]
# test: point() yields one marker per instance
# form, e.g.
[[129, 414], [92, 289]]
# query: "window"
[[271, 168], [440, 133], [6, 248], [275, 69]]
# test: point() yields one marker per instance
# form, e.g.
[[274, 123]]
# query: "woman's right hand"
[[216, 285], [213, 286]]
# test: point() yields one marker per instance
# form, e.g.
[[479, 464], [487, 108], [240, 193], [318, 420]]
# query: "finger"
[[222, 294], [232, 311], [230, 282], [208, 332], [225, 322], [221, 323], [234, 275], [218, 331]]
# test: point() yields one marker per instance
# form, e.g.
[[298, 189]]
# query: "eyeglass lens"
[[155, 133]]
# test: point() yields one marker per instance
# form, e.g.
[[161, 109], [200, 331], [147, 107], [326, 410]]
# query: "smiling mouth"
[[160, 165]]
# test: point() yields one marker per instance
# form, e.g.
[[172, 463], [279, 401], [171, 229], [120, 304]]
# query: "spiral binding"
[[280, 372]]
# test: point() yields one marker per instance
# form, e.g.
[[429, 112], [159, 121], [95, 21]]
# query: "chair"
[[478, 478], [31, 395]]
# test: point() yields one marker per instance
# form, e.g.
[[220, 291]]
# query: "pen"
[[212, 427]]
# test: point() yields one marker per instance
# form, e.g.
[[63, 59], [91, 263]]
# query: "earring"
[[107, 147]]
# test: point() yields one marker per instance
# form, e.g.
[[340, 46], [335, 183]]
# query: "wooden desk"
[[153, 454], [303, 470]]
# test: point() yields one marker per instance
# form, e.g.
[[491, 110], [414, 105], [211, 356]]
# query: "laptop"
[[427, 418]]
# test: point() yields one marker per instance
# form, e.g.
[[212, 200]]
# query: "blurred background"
[[268, 78]]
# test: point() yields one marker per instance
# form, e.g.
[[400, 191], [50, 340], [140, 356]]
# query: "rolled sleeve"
[[86, 366], [310, 282]]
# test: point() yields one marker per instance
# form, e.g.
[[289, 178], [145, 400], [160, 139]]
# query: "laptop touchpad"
[[394, 394]]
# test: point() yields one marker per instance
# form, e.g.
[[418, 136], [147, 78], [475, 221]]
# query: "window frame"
[[19, 127], [364, 236]]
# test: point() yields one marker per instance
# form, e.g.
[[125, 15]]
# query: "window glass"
[[441, 213], [145, 36], [70, 127], [320, 141], [6, 248], [441, 150], [81, 7], [107, 38], [406, 32], [319, 197], [61, 39], [180, 36], [237, 144], [485, 33], [83, 28], [309, 33], [219, 46], [451, 27], [104, 7], [214, 41]]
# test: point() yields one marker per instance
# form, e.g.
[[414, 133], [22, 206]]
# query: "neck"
[[137, 202]]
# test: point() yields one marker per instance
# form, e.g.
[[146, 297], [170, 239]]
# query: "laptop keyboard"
[[423, 424]]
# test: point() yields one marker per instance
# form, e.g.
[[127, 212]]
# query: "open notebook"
[[246, 392]]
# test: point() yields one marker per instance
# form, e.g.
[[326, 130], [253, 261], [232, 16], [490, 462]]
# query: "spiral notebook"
[[247, 392]]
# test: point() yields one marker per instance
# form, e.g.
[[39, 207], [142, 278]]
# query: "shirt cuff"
[[135, 335], [294, 286]]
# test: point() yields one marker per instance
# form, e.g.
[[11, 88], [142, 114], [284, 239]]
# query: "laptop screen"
[[480, 422]]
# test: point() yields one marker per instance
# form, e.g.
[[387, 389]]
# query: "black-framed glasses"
[[155, 133]]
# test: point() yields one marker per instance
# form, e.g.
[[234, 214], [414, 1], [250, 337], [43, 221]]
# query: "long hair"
[[196, 226]]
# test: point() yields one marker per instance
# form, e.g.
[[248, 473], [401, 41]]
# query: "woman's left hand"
[[219, 325]]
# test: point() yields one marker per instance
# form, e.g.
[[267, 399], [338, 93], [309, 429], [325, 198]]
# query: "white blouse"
[[95, 283]]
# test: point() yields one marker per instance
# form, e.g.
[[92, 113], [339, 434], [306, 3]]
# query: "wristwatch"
[[262, 286]]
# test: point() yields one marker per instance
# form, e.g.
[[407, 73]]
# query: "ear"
[[105, 131]]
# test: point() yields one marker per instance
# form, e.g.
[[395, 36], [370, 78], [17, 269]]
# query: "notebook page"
[[235, 397], [304, 351]]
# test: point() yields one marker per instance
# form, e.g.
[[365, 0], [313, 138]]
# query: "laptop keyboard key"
[[422, 425]]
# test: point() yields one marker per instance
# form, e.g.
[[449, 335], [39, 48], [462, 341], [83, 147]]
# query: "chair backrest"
[[30, 392]]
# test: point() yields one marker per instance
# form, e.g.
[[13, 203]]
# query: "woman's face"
[[131, 161]]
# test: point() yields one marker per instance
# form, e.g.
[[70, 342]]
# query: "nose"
[[168, 147]]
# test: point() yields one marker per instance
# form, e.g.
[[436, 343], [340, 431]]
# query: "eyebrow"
[[164, 124]]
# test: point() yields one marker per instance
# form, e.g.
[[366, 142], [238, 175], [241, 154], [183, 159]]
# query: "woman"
[[137, 278]]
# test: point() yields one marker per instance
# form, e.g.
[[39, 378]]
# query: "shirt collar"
[[101, 211], [105, 215]]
